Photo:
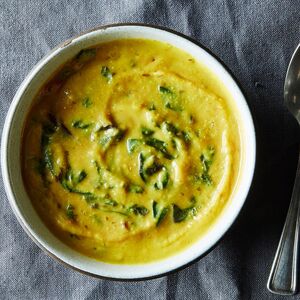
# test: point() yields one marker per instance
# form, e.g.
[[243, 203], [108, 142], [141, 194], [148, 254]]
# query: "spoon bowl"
[[292, 85]]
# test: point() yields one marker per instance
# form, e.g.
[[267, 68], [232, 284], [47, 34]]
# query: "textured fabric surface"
[[255, 39]]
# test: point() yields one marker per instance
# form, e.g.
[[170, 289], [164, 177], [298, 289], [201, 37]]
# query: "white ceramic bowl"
[[11, 162]]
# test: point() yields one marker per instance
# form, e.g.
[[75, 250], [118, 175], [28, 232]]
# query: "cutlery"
[[283, 275]]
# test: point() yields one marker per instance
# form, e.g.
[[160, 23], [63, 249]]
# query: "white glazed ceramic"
[[11, 166]]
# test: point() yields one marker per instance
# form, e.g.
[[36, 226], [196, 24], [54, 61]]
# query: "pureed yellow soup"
[[130, 151]]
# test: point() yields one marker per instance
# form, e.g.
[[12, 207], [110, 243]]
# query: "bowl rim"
[[7, 126]]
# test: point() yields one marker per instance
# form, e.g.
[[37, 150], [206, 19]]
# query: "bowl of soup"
[[128, 152]]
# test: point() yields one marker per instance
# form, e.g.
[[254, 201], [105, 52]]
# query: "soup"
[[130, 151]]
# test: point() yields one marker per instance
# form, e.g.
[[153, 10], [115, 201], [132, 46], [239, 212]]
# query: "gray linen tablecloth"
[[255, 39]]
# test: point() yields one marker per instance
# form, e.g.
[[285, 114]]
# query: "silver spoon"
[[283, 276]]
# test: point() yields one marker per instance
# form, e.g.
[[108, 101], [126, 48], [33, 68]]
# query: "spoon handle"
[[283, 276]]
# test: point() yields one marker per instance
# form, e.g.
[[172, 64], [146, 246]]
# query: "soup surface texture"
[[130, 151]]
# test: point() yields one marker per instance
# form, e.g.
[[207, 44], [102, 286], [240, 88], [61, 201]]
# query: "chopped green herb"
[[186, 137], [163, 179], [206, 178], [110, 136], [173, 130], [80, 124], [81, 176], [165, 90], [159, 145], [48, 160], [132, 144], [103, 128], [70, 212], [111, 202], [138, 210], [206, 159], [105, 72], [98, 168], [170, 128], [48, 129], [45, 139], [105, 141], [193, 211], [68, 181], [151, 107], [95, 200], [141, 161], [134, 188], [170, 98], [94, 205], [87, 102], [162, 215], [53, 125], [148, 166], [155, 209], [153, 167], [179, 214], [90, 197], [174, 144], [146, 131]]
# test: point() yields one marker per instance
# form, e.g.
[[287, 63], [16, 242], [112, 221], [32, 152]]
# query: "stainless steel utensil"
[[283, 276]]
